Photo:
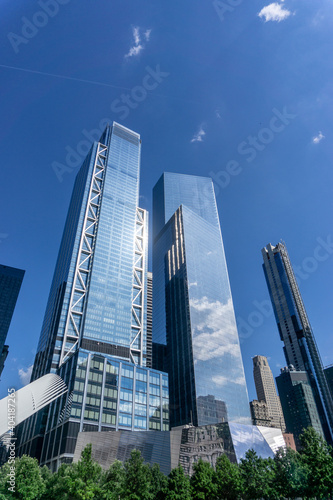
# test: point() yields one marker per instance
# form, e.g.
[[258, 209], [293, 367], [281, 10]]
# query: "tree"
[[29, 483], [316, 455], [113, 483], [57, 484], [137, 478], [178, 485], [84, 478], [158, 483], [257, 476], [228, 480], [291, 475], [203, 485]]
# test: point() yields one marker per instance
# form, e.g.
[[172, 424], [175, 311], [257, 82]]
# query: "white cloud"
[[274, 12], [25, 375], [317, 138], [214, 331], [147, 35], [217, 114], [221, 380], [198, 137], [136, 35], [137, 46]]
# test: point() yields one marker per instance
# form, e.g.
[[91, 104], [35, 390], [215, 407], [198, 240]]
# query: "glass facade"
[[95, 327], [298, 403], [193, 313], [295, 331], [10, 285], [104, 394]]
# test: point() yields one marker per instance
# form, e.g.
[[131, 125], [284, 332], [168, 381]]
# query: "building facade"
[[295, 331], [10, 285], [266, 391], [298, 403], [259, 413], [94, 333], [329, 377], [182, 445], [194, 329]]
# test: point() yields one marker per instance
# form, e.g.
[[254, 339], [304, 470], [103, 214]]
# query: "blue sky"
[[240, 91]]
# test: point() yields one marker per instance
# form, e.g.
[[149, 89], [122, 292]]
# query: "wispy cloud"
[[25, 375], [138, 44], [198, 137], [215, 331], [317, 138], [147, 35], [217, 114], [274, 12]]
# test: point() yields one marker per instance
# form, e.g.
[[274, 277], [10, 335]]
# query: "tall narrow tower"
[[193, 314], [266, 391], [94, 333], [300, 347]]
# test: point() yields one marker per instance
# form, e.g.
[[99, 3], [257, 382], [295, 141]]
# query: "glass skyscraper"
[[195, 336], [10, 285], [94, 333], [295, 331]]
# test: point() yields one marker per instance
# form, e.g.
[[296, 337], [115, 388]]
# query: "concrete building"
[[266, 391]]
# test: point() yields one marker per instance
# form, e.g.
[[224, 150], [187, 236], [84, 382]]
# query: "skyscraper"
[[266, 391], [193, 316], [300, 347], [94, 333], [10, 285], [298, 403], [328, 371]]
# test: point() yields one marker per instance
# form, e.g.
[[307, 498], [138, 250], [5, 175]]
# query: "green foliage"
[[308, 474], [57, 484], [113, 483], [203, 485], [84, 478], [29, 483], [178, 485], [291, 474], [4, 476], [257, 476], [316, 456], [158, 483], [137, 478], [228, 479]]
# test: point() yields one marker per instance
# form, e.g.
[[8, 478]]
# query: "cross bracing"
[[138, 297], [75, 316]]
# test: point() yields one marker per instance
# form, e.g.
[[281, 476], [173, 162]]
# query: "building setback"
[[300, 347], [94, 333], [10, 284], [195, 335], [266, 391]]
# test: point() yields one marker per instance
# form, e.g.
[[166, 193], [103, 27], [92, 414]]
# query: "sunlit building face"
[[193, 314]]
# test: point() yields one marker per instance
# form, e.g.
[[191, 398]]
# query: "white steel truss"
[[138, 298], [84, 260]]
